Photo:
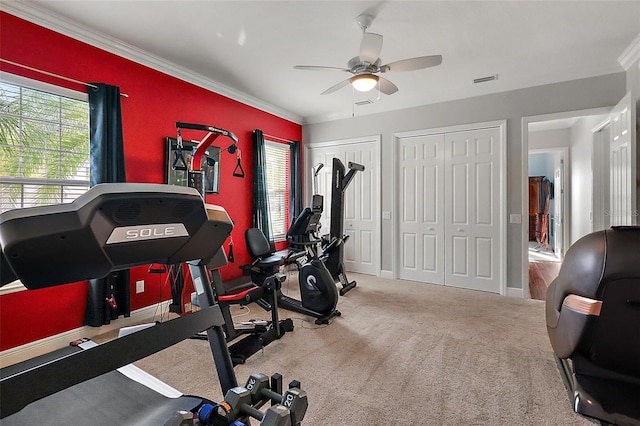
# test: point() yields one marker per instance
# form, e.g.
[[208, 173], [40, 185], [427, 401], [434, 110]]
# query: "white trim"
[[631, 54], [350, 141], [42, 86], [502, 124], [64, 26], [395, 222], [52, 343], [387, 274], [515, 292], [450, 129]]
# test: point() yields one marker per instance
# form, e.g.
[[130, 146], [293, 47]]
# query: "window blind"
[[44, 142], [277, 169]]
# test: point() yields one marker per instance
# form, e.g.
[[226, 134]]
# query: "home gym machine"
[[191, 164], [112, 227], [333, 244]]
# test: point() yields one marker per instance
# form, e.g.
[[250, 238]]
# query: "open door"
[[558, 223], [622, 163]]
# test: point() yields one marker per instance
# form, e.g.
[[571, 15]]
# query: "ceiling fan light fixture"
[[364, 82]]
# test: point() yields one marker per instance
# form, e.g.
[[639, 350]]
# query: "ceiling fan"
[[367, 64]]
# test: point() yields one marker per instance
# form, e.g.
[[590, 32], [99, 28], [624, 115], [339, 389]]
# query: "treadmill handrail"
[[23, 388]]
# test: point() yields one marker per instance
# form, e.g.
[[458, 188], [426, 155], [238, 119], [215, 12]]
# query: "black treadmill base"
[[110, 399]]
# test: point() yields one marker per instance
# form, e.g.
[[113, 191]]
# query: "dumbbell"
[[237, 404], [294, 399]]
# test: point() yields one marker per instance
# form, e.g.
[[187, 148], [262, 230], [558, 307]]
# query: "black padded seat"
[[265, 261], [593, 321], [259, 248]]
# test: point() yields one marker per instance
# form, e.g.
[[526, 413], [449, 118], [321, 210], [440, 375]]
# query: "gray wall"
[[596, 92]]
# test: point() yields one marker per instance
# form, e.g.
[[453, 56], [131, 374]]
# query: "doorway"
[[546, 216], [560, 164]]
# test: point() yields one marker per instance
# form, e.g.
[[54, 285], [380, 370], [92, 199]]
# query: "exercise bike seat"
[[593, 321], [260, 250]]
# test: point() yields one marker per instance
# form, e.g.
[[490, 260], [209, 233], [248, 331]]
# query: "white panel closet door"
[[421, 208], [361, 202], [472, 204]]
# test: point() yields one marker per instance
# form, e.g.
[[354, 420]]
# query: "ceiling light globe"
[[364, 82]]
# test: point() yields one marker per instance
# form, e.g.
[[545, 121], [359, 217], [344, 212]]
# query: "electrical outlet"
[[139, 286], [515, 218]]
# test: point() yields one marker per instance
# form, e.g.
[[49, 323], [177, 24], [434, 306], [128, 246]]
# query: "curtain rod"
[[54, 75], [289, 141]]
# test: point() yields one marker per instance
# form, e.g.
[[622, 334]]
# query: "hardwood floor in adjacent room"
[[540, 276], [543, 268]]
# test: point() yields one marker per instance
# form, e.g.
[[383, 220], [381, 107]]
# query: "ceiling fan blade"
[[412, 64], [336, 87], [370, 47], [387, 87], [318, 68]]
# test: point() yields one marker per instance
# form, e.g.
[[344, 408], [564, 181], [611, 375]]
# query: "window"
[[277, 156], [44, 144]]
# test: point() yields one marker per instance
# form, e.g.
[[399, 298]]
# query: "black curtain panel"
[[108, 297], [295, 187], [261, 215], [295, 180]]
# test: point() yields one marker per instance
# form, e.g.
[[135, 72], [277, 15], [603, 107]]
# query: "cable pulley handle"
[[179, 163], [238, 171]]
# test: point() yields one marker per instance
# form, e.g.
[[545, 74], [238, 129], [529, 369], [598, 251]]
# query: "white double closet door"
[[450, 222]]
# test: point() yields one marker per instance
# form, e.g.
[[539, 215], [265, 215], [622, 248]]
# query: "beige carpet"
[[404, 353]]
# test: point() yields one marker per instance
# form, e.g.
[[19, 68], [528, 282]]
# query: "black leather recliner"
[[593, 321]]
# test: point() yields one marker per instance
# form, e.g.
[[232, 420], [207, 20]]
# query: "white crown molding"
[[631, 54], [47, 19]]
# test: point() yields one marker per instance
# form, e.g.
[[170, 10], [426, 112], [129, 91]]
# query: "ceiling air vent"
[[365, 102], [485, 79]]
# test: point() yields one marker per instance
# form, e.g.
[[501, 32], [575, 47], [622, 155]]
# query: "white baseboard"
[[515, 292], [386, 274], [52, 343]]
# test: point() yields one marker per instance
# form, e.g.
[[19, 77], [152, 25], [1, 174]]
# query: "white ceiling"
[[247, 49]]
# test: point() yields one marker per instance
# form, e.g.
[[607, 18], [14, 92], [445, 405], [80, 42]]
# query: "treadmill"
[[113, 226]]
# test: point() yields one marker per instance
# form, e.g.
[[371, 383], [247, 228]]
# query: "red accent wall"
[[156, 101]]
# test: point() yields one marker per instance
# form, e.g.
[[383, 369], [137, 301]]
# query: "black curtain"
[[261, 215], [295, 180], [107, 297]]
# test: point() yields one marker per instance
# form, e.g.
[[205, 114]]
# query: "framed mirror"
[[178, 166]]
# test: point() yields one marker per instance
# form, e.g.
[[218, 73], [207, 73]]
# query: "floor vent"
[[485, 79]]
